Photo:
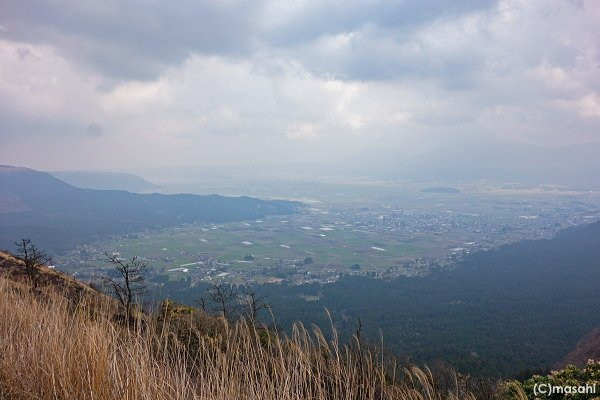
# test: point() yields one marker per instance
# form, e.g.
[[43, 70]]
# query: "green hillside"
[[58, 216]]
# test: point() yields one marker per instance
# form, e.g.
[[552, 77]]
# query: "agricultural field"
[[394, 234], [265, 243]]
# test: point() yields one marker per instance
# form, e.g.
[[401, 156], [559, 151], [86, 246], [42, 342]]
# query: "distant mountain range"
[[57, 215], [440, 190], [106, 181], [574, 166], [444, 164]]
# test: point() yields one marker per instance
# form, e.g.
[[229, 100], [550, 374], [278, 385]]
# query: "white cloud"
[[281, 89], [589, 106]]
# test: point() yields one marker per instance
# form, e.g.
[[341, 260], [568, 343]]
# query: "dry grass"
[[50, 349]]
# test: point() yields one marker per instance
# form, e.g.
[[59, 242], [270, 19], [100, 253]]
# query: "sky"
[[112, 84]]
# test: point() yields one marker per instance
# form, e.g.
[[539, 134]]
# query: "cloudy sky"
[[118, 84]]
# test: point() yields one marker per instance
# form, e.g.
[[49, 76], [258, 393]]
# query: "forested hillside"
[[523, 306], [57, 215]]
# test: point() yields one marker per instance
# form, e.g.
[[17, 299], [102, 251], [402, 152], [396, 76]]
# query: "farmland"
[[397, 234]]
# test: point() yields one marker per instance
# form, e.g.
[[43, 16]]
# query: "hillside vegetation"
[[65, 340], [61, 215], [521, 307], [62, 341]]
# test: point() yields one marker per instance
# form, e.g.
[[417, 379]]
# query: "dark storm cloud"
[[132, 39], [320, 18], [137, 39]]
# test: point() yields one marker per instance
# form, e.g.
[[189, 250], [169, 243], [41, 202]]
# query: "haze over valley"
[[299, 199]]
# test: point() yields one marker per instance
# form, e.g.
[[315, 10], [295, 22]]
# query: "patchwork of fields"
[[407, 234], [269, 242]]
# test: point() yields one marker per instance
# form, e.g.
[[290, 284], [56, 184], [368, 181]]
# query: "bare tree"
[[254, 302], [33, 258], [201, 302], [225, 296], [127, 283]]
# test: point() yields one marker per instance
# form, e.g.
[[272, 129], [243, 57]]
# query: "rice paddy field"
[[405, 234], [268, 242]]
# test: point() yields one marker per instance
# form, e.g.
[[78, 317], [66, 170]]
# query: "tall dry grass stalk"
[[52, 349]]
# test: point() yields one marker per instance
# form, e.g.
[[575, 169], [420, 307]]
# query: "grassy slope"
[[54, 347]]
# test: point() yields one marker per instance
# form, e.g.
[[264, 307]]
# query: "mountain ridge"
[[99, 180], [58, 215]]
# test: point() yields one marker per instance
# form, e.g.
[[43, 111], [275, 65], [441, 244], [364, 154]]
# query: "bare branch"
[[127, 283], [254, 302], [225, 297], [34, 259]]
